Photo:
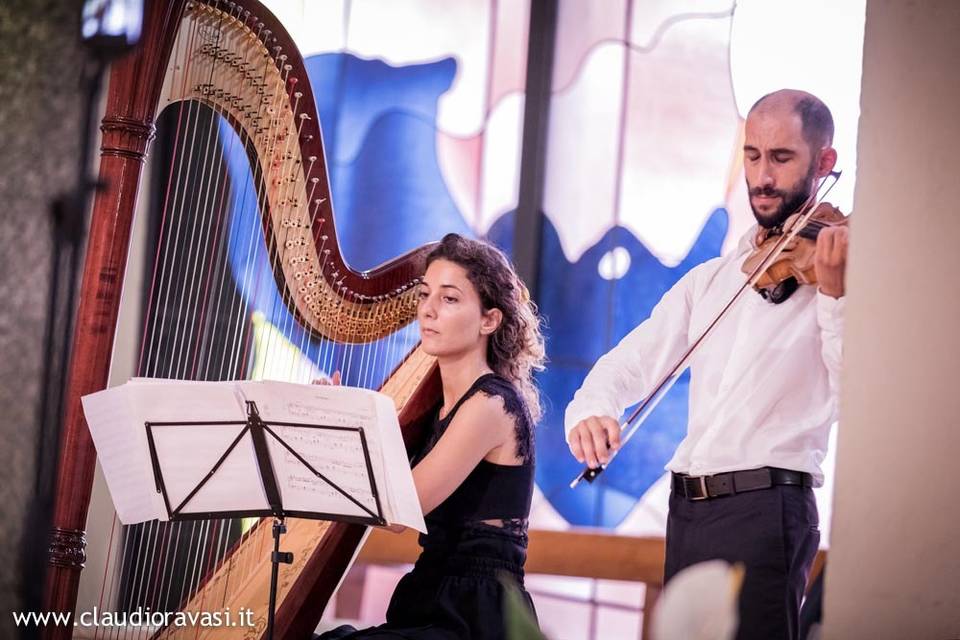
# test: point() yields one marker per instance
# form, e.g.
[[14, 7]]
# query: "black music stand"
[[258, 430]]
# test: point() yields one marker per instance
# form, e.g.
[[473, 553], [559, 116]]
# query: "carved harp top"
[[238, 61]]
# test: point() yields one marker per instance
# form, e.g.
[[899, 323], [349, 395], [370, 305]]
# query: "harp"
[[229, 64]]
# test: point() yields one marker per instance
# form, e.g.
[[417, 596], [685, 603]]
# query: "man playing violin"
[[763, 387]]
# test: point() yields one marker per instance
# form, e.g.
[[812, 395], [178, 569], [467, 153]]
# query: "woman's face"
[[452, 319]]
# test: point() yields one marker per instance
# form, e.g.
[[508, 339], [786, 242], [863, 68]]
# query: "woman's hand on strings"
[[334, 379]]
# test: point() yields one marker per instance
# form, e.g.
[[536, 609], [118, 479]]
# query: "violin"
[[794, 265]]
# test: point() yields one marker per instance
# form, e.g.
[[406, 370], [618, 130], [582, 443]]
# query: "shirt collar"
[[748, 241]]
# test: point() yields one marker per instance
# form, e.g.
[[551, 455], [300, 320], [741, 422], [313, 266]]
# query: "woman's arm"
[[480, 426]]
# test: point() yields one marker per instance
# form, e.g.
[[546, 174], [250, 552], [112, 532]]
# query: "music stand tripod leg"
[[276, 558]]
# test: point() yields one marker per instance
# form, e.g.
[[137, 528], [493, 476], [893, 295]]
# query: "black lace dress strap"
[[491, 384]]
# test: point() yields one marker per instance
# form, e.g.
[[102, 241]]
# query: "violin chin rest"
[[779, 293]]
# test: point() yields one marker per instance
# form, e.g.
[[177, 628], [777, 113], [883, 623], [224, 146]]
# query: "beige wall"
[[894, 567]]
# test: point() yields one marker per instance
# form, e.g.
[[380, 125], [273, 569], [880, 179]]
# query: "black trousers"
[[775, 534]]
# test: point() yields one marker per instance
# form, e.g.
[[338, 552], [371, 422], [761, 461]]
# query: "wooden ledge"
[[586, 553]]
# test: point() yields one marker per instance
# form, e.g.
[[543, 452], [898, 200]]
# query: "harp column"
[[123, 150]]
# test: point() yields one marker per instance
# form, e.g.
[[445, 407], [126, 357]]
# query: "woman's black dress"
[[477, 536]]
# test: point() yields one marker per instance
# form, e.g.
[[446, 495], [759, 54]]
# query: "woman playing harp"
[[475, 475]]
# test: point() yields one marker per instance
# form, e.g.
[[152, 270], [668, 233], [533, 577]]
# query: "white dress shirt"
[[763, 387]]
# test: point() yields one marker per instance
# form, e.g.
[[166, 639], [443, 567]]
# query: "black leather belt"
[[727, 484]]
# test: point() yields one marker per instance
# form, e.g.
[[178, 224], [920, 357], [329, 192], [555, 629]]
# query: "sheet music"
[[338, 455], [402, 493], [187, 453], [124, 456]]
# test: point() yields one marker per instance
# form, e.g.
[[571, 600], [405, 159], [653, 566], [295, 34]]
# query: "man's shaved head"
[[815, 117], [787, 147]]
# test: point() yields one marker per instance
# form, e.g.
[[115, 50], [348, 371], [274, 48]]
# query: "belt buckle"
[[703, 488]]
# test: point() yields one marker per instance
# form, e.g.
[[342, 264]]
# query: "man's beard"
[[790, 200]]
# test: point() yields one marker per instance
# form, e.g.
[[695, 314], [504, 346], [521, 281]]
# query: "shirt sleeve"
[[830, 320], [625, 374]]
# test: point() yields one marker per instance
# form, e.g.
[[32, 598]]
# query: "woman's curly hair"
[[515, 350]]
